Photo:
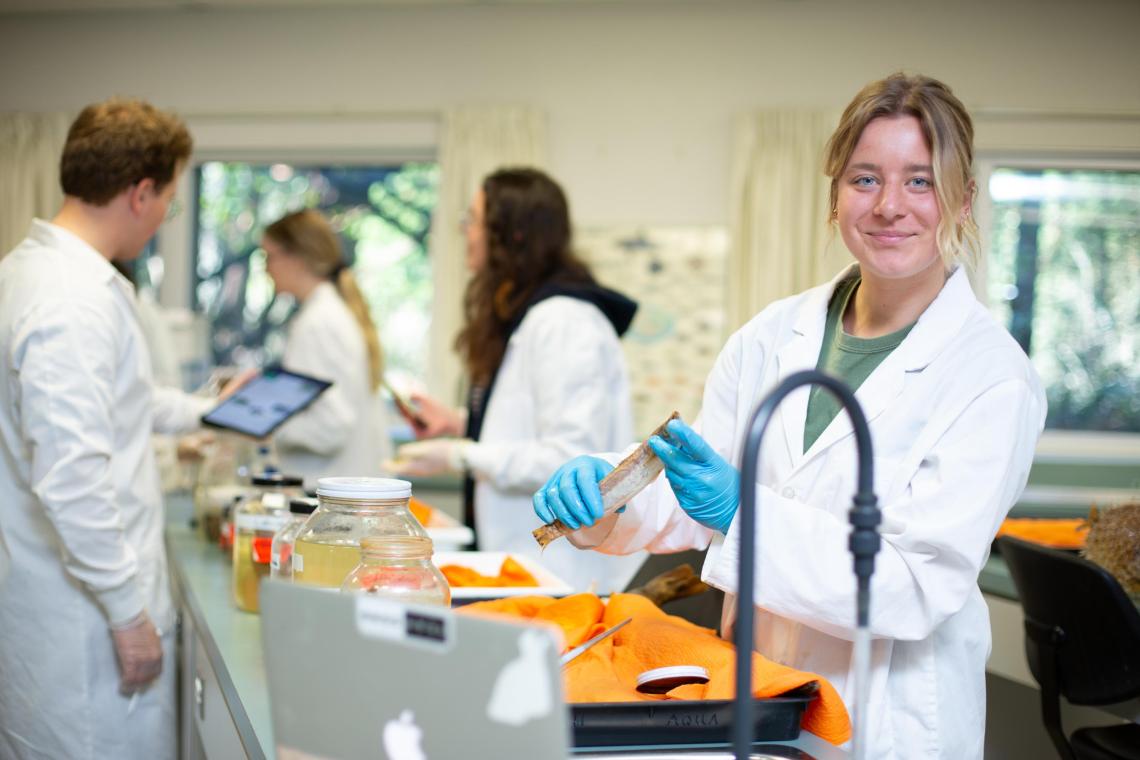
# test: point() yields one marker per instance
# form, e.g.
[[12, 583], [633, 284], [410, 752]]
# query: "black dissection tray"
[[684, 722]]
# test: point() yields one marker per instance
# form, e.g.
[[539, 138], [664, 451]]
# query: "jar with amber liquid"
[[256, 520], [399, 568], [349, 510]]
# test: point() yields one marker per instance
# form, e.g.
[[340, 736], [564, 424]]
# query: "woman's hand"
[[706, 486], [434, 419], [236, 382], [571, 494], [422, 459]]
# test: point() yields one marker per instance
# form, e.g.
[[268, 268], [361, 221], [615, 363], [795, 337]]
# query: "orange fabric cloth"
[[511, 574], [1058, 533], [607, 672], [420, 511]]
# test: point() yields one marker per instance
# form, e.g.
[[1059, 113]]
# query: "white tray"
[[447, 533], [488, 563]]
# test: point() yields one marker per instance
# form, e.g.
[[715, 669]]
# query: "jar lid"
[[302, 506], [277, 480], [364, 488], [662, 680]]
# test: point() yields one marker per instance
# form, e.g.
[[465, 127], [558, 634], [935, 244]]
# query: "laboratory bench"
[[224, 696]]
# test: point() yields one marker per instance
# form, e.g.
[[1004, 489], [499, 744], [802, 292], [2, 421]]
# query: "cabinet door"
[[211, 717]]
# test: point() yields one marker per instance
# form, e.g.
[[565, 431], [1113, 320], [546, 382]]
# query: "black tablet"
[[265, 402]]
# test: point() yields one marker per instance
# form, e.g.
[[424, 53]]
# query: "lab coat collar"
[[323, 292], [801, 352], [940, 322], [79, 251]]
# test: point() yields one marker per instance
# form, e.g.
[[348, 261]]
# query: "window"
[[1064, 276], [382, 214]]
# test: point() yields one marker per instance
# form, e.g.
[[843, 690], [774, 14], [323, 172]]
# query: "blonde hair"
[[308, 235], [949, 133]]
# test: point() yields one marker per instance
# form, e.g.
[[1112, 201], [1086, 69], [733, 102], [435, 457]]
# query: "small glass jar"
[[222, 475], [256, 521], [281, 553], [350, 509], [400, 568]]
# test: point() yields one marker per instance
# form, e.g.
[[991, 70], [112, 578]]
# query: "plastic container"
[[664, 680], [281, 552], [400, 568], [256, 521], [350, 509]]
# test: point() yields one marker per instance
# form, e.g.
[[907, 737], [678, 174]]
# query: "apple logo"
[[522, 692], [402, 738]]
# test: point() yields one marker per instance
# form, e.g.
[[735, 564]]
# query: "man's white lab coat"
[[955, 413], [344, 432], [562, 390], [81, 518]]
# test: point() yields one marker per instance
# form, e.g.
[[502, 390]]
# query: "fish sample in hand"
[[628, 479]]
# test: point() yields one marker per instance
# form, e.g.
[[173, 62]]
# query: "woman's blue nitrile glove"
[[706, 486], [571, 494]]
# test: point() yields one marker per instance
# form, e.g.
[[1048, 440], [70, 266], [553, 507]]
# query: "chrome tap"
[[865, 517]]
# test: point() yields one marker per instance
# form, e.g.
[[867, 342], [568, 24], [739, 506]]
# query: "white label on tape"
[[273, 501], [421, 626], [298, 563]]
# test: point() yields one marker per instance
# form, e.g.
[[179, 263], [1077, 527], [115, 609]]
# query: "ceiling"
[[55, 6]]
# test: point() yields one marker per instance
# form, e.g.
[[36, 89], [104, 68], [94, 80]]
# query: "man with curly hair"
[[87, 631]]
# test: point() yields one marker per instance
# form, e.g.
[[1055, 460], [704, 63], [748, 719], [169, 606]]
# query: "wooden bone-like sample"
[[632, 474]]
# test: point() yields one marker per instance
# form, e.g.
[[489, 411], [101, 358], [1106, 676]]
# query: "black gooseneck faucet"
[[865, 517]]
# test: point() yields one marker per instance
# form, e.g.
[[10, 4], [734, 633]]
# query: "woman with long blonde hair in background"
[[332, 336]]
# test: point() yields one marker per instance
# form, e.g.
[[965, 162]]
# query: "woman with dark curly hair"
[[548, 381]]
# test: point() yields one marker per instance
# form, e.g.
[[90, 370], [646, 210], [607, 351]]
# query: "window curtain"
[[30, 146], [474, 142], [780, 242]]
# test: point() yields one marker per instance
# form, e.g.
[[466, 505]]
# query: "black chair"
[[1082, 640]]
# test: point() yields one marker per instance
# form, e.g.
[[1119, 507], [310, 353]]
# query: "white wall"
[[640, 95]]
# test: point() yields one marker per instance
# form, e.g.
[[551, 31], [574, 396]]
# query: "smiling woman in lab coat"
[[955, 410], [547, 373], [344, 432]]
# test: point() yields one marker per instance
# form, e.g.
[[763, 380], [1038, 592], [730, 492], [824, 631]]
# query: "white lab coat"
[[562, 390], [81, 519], [955, 412], [345, 431]]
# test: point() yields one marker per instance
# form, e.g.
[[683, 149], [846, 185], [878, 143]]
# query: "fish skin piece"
[[625, 481]]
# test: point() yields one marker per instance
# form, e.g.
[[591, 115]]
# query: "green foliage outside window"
[[383, 217], [1064, 275]]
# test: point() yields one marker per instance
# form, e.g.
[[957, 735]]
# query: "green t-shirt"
[[850, 359]]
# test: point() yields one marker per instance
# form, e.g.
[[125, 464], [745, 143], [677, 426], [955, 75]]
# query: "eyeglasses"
[[173, 210]]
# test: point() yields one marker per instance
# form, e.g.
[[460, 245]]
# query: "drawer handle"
[[200, 697]]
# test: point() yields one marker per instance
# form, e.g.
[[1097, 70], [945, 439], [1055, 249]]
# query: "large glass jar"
[[350, 509], [400, 568], [256, 520], [281, 552]]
